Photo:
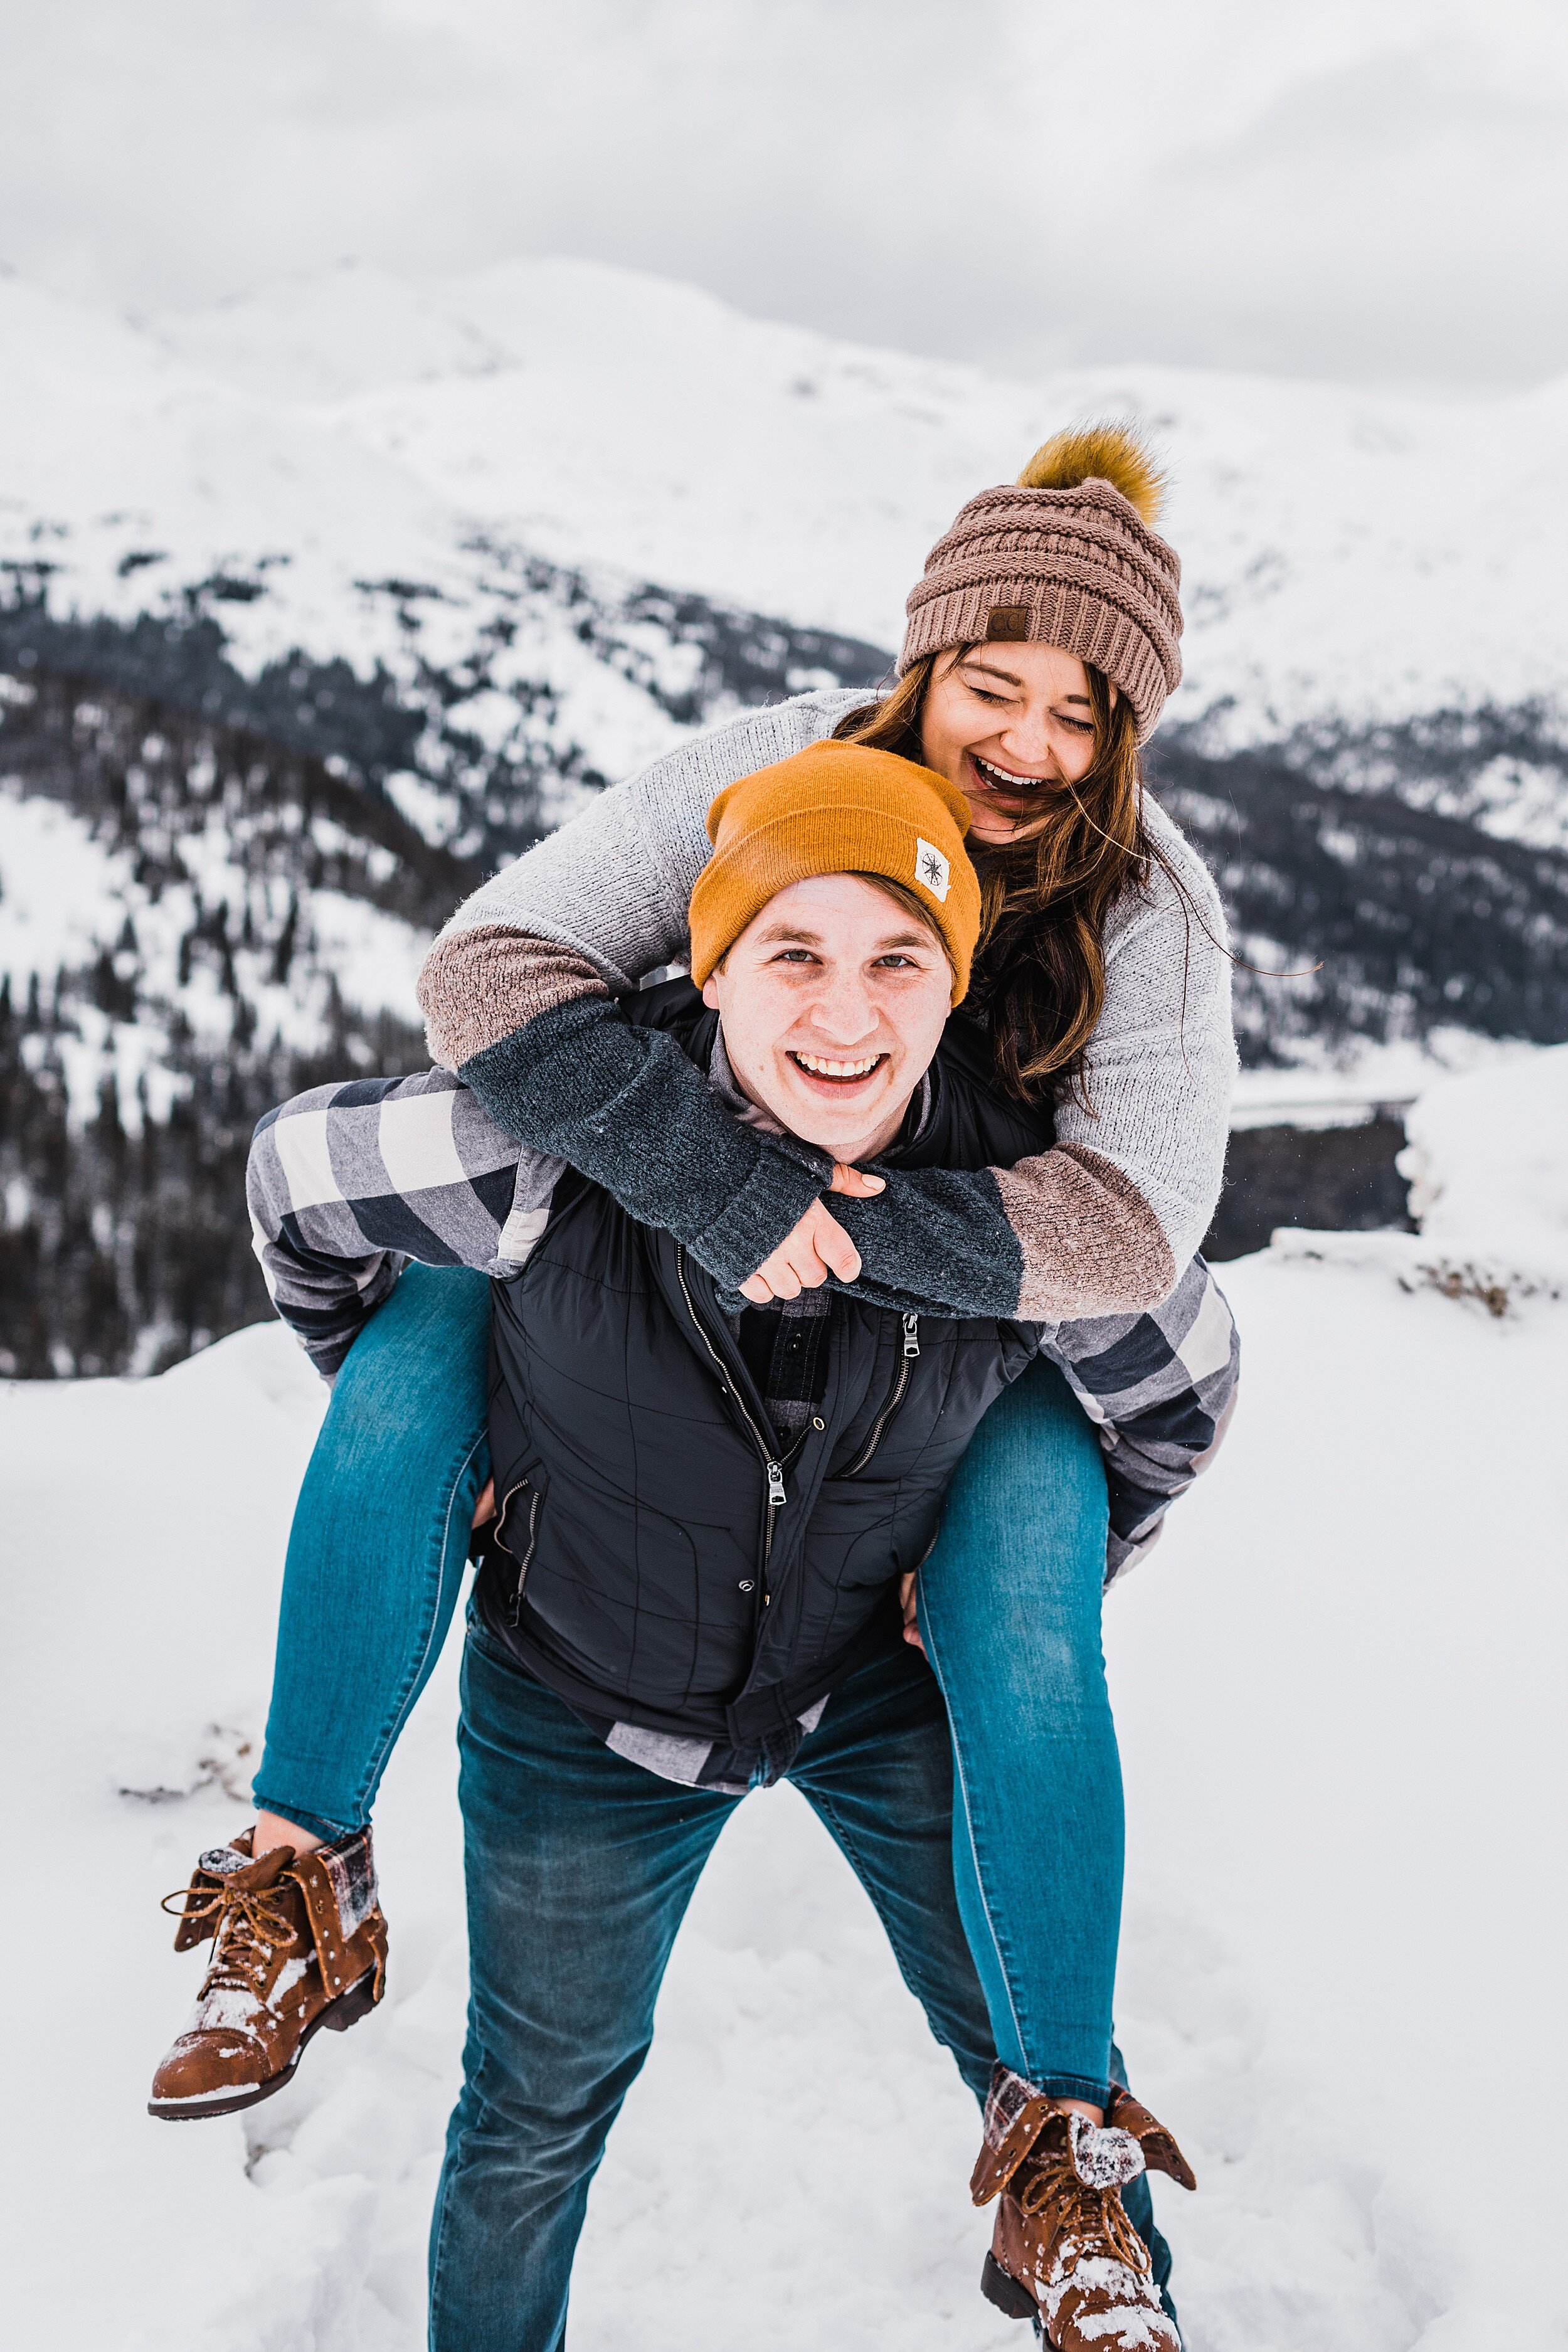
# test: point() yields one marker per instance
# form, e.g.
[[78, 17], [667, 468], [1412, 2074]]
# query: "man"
[[705, 1514]]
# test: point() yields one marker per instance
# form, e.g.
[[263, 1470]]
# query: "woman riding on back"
[[1043, 641]]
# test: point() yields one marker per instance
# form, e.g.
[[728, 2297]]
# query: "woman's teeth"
[[820, 1068], [1003, 780]]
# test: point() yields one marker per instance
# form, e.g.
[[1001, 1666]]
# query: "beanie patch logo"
[[933, 869], [1009, 623]]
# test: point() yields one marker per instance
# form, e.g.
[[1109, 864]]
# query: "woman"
[[1042, 643]]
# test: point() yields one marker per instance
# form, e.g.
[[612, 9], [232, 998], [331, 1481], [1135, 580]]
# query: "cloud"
[[1331, 191], [1394, 219]]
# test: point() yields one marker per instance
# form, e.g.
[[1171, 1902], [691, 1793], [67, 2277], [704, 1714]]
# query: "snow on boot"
[[1064, 2253], [296, 1944]]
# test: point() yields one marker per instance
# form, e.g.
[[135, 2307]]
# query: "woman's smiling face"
[[1007, 723]]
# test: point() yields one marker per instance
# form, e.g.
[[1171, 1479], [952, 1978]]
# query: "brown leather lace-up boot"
[[296, 1945], [1064, 2250]]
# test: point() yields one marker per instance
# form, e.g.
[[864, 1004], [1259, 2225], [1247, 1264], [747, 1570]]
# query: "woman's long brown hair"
[[1038, 979]]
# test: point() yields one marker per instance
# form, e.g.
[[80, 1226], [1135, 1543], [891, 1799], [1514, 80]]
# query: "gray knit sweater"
[[516, 993]]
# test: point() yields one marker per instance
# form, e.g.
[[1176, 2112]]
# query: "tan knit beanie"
[[837, 808], [1067, 556]]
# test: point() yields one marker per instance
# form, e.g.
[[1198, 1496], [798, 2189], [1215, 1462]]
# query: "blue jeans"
[[580, 1865], [378, 1548], [1009, 1610]]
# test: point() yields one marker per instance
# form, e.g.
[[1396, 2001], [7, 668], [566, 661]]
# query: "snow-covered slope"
[[135, 483], [1344, 554], [269, 706], [1369, 556], [324, 600], [1337, 1686]]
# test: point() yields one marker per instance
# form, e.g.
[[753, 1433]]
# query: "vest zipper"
[[912, 1348], [774, 1467]]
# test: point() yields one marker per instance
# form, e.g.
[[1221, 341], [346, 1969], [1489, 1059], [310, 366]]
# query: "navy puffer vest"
[[658, 1561]]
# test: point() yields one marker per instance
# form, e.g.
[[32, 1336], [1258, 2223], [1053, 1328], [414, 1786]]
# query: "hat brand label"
[[1010, 622], [933, 869]]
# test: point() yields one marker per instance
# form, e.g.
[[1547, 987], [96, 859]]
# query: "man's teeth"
[[822, 1069], [1009, 784]]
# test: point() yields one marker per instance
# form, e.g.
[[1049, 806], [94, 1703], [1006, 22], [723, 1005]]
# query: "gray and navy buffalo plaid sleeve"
[[1160, 1388], [347, 1184]]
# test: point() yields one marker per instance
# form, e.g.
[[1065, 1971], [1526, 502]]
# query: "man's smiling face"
[[832, 1001]]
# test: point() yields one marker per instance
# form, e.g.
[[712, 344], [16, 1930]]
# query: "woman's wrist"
[[625, 1107]]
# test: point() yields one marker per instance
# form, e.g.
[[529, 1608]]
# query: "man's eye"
[[895, 963], [795, 955]]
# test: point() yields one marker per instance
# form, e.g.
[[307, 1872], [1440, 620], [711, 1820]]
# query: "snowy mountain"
[[269, 708], [1375, 558], [322, 601]]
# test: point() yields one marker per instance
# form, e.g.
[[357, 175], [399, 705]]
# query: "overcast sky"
[[1372, 189]]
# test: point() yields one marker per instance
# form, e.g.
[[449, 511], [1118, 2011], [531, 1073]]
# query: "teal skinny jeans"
[[1009, 1611]]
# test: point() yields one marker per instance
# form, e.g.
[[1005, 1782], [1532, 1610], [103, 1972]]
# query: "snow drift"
[[1487, 1163]]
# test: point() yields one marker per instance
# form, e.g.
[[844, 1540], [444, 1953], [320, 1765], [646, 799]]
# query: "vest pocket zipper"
[[911, 1347], [515, 1606]]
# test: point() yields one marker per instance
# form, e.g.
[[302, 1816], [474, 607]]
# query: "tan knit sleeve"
[[1092, 1244], [479, 985]]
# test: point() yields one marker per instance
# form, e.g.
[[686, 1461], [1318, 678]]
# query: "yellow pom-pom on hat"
[[837, 808], [1116, 454], [1066, 555]]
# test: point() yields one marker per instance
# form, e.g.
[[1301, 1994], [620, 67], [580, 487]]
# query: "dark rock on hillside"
[[1332, 1179]]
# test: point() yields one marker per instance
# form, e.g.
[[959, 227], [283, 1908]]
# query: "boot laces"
[[249, 1927], [1086, 2220]]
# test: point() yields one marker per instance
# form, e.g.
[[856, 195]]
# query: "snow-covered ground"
[[1338, 1685]]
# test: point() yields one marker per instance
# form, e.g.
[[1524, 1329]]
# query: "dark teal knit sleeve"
[[624, 1105]]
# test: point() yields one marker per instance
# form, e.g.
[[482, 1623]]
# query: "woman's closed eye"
[[1075, 725], [998, 698]]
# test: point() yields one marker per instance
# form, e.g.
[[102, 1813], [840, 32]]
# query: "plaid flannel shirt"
[[347, 1183]]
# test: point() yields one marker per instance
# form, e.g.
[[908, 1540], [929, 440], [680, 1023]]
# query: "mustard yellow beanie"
[[837, 808]]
